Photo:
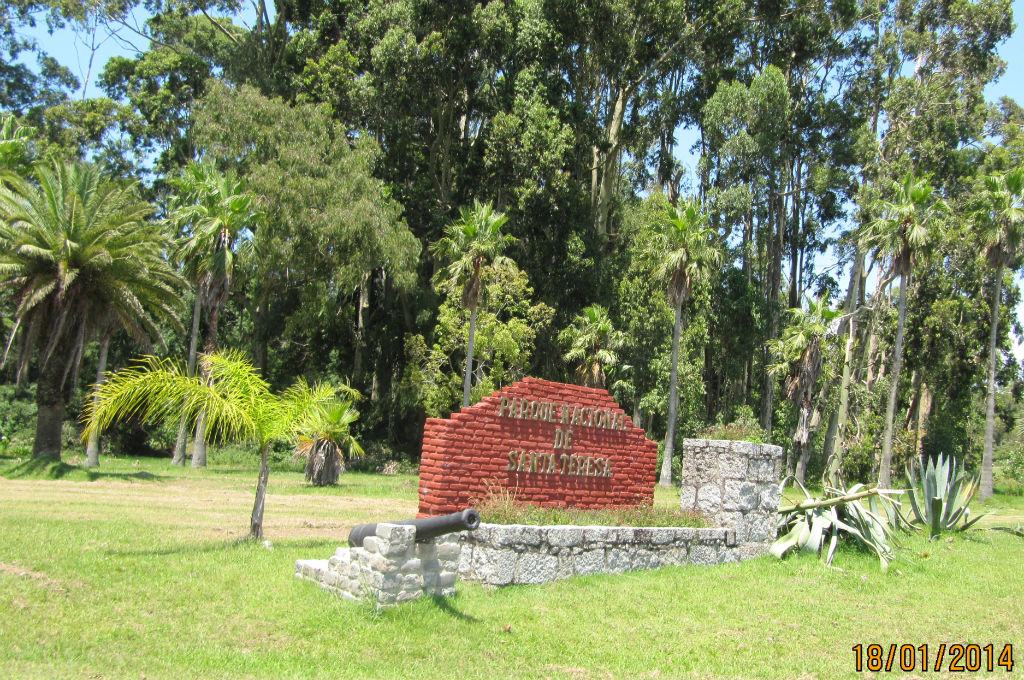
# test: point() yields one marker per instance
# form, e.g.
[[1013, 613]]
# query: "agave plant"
[[941, 494], [813, 522], [327, 432]]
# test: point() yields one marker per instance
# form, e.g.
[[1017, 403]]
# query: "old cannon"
[[426, 528]]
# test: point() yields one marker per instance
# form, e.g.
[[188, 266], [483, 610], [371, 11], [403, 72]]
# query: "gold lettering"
[[568, 438], [602, 418], [524, 460], [551, 464], [565, 410], [586, 472], [564, 460], [576, 416], [502, 406], [511, 460], [607, 468]]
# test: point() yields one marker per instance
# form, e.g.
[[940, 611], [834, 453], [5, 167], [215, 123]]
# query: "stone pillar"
[[736, 485], [389, 568]]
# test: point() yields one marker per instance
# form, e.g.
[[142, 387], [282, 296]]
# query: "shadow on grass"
[[44, 468], [445, 605]]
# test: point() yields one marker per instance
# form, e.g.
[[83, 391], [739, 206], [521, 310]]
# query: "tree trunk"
[[256, 524], [836, 433], [50, 408], [606, 186], [92, 449], [885, 466], [362, 305], [469, 358], [990, 398], [199, 444], [178, 458], [673, 401]]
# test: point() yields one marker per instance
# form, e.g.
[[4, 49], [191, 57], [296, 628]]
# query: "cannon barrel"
[[426, 528]]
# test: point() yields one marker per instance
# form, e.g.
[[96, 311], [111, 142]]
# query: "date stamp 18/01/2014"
[[955, 658]]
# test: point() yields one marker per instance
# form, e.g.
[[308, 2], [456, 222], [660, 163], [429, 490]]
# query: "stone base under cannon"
[[389, 568]]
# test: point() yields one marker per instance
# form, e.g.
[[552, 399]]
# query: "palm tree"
[[799, 348], [688, 255], [1002, 220], [80, 257], [238, 404], [902, 233], [215, 210], [592, 342], [471, 243], [328, 433]]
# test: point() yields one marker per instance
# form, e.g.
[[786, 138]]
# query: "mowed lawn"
[[138, 571]]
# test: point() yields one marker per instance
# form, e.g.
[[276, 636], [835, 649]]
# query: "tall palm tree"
[[799, 348], [81, 258], [215, 211], [688, 255], [1002, 222], [903, 232], [237, 402], [592, 342], [471, 243]]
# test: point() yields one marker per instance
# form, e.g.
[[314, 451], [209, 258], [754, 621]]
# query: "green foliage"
[[815, 525], [744, 427], [591, 341], [940, 494]]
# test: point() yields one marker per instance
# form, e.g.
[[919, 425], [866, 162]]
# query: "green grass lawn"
[[137, 571]]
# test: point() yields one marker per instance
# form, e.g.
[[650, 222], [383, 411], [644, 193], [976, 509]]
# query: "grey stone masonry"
[[736, 485], [500, 555], [390, 568]]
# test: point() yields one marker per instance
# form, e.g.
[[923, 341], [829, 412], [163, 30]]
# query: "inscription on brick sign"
[[560, 461], [546, 443]]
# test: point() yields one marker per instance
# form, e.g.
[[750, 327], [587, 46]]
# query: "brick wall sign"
[[549, 443]]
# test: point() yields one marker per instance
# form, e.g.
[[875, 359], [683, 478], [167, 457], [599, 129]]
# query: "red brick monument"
[[550, 444]]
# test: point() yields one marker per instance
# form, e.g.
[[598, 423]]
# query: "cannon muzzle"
[[426, 528]]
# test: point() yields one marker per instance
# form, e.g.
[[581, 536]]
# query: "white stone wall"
[[389, 568], [500, 555], [736, 485]]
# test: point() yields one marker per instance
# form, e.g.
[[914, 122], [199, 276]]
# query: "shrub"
[[501, 507], [744, 427]]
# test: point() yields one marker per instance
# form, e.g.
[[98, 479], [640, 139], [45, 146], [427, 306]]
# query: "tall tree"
[[470, 244], [906, 228], [800, 349], [592, 342], [689, 256], [68, 249], [1002, 221], [216, 212]]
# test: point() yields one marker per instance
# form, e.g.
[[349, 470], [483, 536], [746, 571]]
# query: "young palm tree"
[[238, 404], [470, 244], [688, 255], [799, 348], [215, 211], [328, 433], [905, 230], [1002, 221], [592, 342], [80, 257]]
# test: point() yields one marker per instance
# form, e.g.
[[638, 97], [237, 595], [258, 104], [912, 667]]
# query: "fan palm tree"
[[1002, 222], [592, 342], [903, 232], [328, 434], [688, 255], [472, 242], [81, 258], [799, 348], [215, 211], [238, 404]]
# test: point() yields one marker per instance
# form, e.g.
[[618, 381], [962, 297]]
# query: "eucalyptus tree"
[[688, 256], [238, 404], [592, 341], [81, 258], [906, 229], [216, 213], [471, 243], [1002, 228], [799, 348]]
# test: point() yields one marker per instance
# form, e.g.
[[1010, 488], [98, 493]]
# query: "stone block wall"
[[500, 555], [736, 485], [389, 568]]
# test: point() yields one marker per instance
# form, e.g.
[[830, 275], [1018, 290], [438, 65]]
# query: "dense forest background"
[[850, 173]]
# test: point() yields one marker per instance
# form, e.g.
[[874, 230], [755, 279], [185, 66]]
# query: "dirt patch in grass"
[[37, 577]]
